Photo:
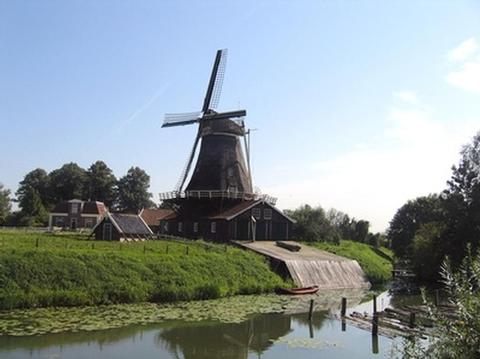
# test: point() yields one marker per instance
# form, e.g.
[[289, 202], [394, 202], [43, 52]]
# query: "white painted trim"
[[90, 215], [267, 204], [145, 223], [59, 214], [75, 201], [115, 224]]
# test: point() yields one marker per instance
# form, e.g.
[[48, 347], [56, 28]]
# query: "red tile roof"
[[94, 208], [152, 216]]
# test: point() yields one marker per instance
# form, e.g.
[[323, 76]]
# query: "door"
[[107, 231], [73, 224]]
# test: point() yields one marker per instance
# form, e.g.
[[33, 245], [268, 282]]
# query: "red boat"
[[297, 291]]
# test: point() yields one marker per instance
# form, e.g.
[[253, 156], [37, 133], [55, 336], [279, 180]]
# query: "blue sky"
[[359, 105]]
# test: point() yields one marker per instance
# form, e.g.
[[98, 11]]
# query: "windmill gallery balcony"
[[209, 194]]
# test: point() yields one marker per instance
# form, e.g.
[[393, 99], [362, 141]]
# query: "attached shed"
[[153, 216], [246, 220], [122, 227]]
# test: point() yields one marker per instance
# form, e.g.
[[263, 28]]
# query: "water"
[[261, 336]]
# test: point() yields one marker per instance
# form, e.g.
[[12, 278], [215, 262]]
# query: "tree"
[[427, 255], [133, 192], [313, 225], [462, 202], [38, 181], [101, 184], [33, 212], [68, 182], [361, 231], [408, 220], [5, 204]]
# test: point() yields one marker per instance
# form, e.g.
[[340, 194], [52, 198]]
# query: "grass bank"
[[41, 270], [375, 262]]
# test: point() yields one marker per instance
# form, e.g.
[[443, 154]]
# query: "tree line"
[[430, 228], [39, 192], [316, 224]]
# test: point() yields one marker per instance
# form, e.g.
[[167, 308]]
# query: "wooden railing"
[[217, 194]]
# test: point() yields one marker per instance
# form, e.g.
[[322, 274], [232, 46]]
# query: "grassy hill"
[[376, 263], [39, 270]]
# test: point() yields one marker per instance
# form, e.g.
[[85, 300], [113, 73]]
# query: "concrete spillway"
[[311, 266]]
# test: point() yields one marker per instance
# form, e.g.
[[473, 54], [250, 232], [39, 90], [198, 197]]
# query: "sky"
[[357, 105]]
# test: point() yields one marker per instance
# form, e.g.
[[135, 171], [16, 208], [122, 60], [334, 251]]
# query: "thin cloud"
[[466, 74], [463, 51], [411, 158], [409, 97]]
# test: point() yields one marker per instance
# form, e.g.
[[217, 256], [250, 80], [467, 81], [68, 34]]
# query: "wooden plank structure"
[[310, 266]]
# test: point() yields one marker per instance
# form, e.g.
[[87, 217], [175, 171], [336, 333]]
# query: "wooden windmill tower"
[[221, 178]]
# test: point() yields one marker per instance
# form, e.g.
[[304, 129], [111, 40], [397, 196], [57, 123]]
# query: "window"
[[59, 221], [180, 226], [256, 213], [213, 227], [88, 223], [195, 227], [267, 213], [74, 208]]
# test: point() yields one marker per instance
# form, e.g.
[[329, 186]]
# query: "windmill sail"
[[181, 119], [216, 81]]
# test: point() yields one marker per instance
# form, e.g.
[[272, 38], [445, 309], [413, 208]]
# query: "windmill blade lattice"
[[217, 87], [179, 119]]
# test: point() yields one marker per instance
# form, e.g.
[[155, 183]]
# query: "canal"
[[266, 335]]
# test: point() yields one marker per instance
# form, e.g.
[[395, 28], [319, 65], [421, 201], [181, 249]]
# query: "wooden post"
[[412, 320], [93, 245], [226, 248], [374, 344], [437, 298], [36, 242], [186, 250], [374, 305], [310, 327], [375, 324], [310, 312], [166, 249], [144, 248], [344, 306], [344, 325]]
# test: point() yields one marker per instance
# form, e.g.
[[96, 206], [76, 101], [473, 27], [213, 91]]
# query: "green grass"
[[376, 263], [70, 270]]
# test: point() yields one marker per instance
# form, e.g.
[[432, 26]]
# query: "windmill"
[[220, 166]]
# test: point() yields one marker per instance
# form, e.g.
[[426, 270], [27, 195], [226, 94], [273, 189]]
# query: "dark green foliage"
[[455, 216], [34, 181], [312, 224], [65, 271], [361, 231], [5, 204], [133, 192], [33, 212], [457, 336], [67, 182], [408, 220], [426, 255], [101, 184]]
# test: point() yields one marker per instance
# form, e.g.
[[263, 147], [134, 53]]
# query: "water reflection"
[[265, 335], [215, 340]]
